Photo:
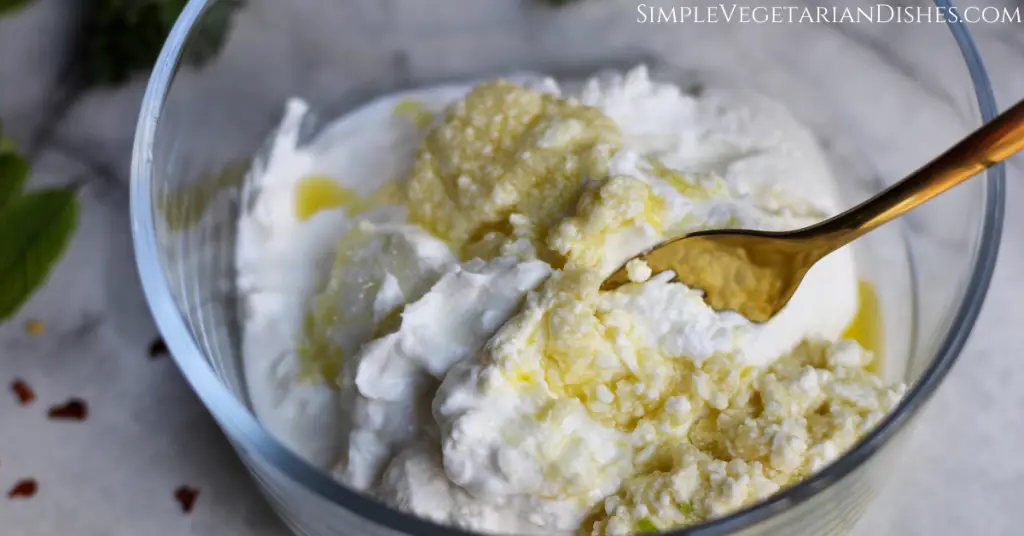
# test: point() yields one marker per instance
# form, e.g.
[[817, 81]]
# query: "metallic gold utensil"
[[757, 272]]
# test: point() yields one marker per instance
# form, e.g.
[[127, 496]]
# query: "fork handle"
[[994, 142]]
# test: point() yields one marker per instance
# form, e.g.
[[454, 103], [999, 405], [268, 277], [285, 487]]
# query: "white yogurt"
[[456, 462]]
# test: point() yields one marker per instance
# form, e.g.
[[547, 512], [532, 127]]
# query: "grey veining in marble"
[[115, 474]]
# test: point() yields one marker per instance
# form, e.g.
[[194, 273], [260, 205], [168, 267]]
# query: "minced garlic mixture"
[[506, 162], [569, 409]]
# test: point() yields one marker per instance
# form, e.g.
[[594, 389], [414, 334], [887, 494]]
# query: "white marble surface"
[[115, 474]]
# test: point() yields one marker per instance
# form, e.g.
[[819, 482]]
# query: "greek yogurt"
[[423, 319]]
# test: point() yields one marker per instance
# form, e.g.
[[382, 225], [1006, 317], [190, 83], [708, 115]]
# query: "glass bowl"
[[868, 91]]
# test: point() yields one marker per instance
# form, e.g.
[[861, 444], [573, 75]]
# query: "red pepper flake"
[[186, 497], [158, 348], [74, 409], [24, 393], [24, 489]]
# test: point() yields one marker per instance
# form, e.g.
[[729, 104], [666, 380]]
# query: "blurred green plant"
[[119, 39], [35, 228], [10, 6], [122, 37]]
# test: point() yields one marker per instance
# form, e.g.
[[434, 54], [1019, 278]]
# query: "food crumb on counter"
[[186, 497], [75, 409], [158, 348], [24, 489], [24, 393], [35, 327]]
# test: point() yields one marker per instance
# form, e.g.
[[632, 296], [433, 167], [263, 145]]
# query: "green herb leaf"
[[210, 35], [123, 37], [7, 144], [646, 526], [34, 231], [13, 174], [8, 7]]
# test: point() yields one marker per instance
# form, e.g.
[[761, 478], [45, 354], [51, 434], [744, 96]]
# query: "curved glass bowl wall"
[[859, 87]]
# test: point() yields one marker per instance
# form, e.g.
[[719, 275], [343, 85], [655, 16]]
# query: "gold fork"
[[756, 272]]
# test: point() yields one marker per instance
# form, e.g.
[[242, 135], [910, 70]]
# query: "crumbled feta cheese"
[[638, 271]]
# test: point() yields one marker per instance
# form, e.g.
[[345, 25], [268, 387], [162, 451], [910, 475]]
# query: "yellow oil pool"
[[866, 327], [318, 193]]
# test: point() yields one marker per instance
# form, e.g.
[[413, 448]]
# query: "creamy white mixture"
[[504, 395]]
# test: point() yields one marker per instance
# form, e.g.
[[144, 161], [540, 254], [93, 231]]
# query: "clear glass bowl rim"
[[249, 437]]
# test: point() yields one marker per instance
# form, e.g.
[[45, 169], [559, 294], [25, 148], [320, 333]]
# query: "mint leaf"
[[8, 7], [34, 231], [13, 174]]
